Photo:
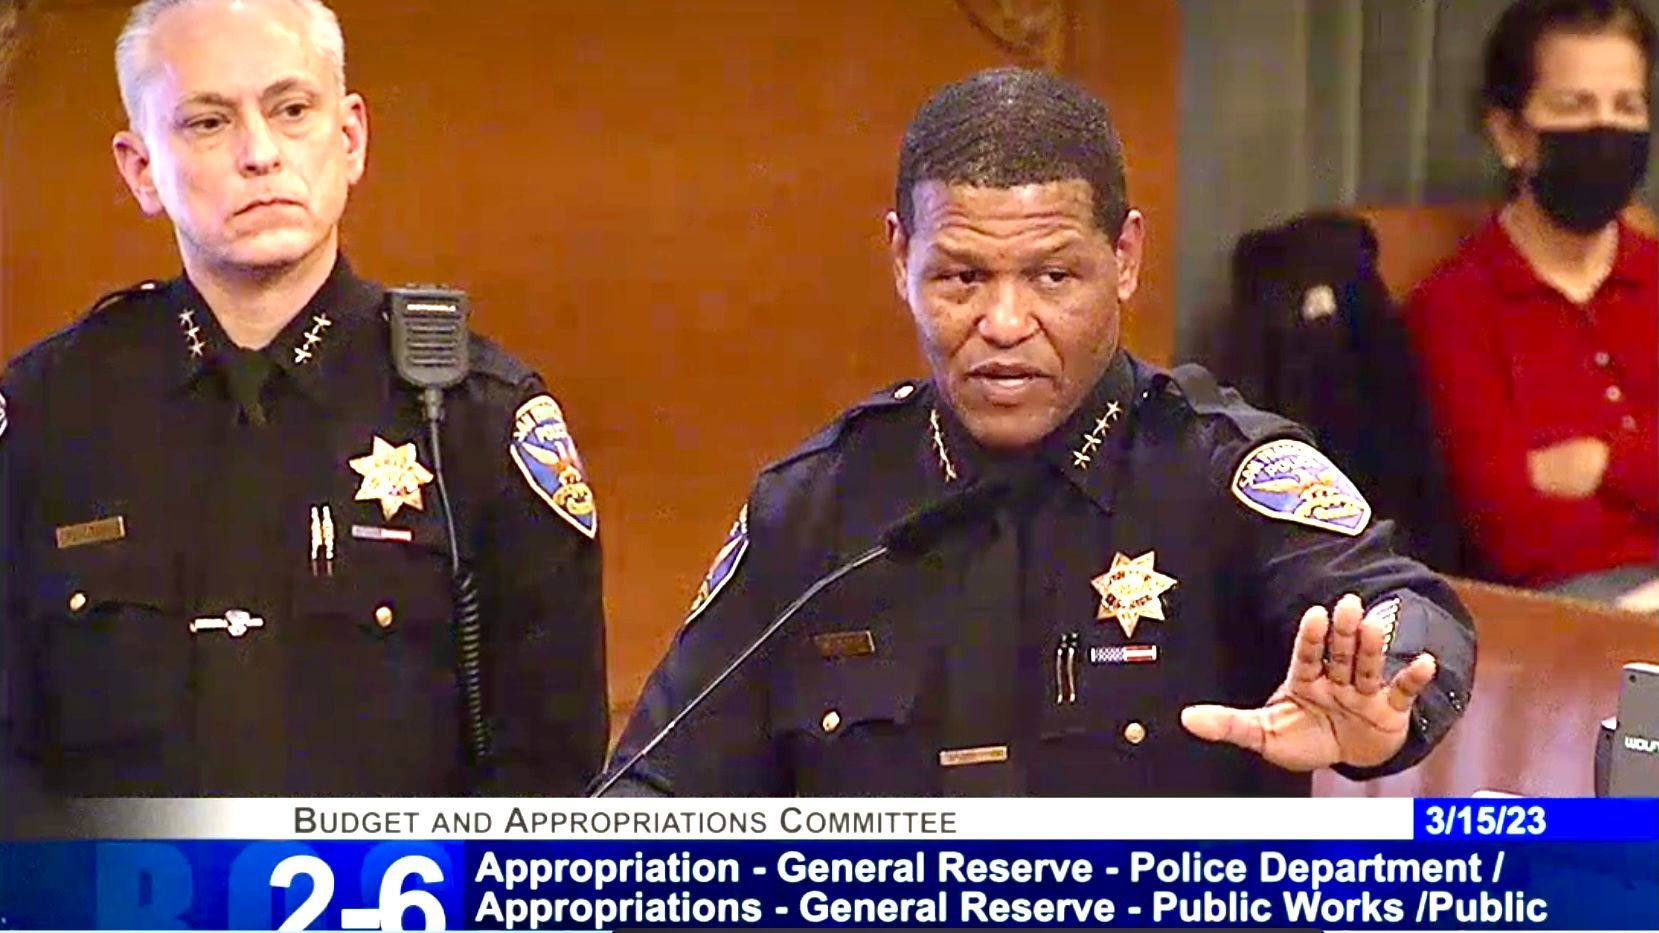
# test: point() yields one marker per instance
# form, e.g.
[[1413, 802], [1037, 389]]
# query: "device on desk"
[[1627, 750]]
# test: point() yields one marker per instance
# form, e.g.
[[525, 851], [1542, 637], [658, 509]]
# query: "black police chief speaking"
[[1180, 596]]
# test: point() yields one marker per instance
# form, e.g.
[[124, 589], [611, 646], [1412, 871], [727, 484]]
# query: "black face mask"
[[1585, 177]]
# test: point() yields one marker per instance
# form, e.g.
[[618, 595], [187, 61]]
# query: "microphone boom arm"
[[873, 554], [908, 538]]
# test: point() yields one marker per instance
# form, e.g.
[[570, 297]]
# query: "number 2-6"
[[393, 899]]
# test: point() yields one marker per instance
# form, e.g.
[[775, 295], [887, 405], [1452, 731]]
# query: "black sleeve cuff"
[[1431, 718]]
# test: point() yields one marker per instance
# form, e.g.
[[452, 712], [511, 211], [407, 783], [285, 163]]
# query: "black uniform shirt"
[[212, 591], [1159, 550]]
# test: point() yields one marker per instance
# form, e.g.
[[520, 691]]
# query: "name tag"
[[845, 644], [98, 532], [983, 755]]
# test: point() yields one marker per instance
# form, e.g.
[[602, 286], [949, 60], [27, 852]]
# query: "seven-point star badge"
[[392, 475], [1129, 591]]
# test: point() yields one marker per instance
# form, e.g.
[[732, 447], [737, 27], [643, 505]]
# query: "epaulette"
[[1198, 390], [45, 347], [896, 396], [141, 289], [1198, 386], [1277, 471], [488, 359]]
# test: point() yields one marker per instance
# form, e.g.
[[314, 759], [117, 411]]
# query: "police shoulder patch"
[[546, 455], [1290, 480], [725, 565]]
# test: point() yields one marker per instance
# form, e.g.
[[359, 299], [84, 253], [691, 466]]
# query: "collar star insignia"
[[1082, 456], [1130, 590], [939, 446], [392, 475], [192, 332], [314, 336]]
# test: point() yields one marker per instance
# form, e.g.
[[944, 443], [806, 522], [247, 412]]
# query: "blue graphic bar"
[[1522, 818], [1435, 884]]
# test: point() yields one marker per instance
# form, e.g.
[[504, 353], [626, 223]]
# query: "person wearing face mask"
[[1174, 593], [1539, 339]]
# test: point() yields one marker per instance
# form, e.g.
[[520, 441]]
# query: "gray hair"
[[132, 51]]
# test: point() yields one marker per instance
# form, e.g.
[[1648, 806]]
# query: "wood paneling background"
[[672, 209]]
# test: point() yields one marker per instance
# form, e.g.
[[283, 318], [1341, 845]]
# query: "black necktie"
[[981, 755], [246, 372]]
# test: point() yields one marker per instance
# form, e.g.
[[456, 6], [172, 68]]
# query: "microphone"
[[430, 345], [431, 351], [911, 536]]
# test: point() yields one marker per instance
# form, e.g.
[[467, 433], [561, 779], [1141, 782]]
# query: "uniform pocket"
[[392, 597], [115, 658], [375, 643], [848, 726], [1109, 740]]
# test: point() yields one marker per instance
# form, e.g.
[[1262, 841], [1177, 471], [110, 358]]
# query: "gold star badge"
[[392, 475], [1129, 591]]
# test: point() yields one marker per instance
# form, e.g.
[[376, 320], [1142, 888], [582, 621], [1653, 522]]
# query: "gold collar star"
[[1130, 591], [392, 475]]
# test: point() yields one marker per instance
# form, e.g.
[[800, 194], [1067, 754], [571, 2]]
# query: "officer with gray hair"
[[232, 559]]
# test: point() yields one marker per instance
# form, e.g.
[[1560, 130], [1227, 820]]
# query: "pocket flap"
[[832, 698], [384, 596], [79, 581]]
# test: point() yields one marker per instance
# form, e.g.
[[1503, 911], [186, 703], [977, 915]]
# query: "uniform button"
[[832, 721], [77, 602], [383, 617], [1614, 393], [1628, 422], [903, 392], [1134, 733], [1602, 359]]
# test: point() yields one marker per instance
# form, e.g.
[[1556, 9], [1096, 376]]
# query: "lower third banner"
[[600, 885]]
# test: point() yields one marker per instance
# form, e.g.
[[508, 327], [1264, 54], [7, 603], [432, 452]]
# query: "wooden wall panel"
[[1127, 51], [672, 209]]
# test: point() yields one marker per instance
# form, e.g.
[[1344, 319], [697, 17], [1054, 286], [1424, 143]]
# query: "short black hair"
[[1006, 127], [1511, 60]]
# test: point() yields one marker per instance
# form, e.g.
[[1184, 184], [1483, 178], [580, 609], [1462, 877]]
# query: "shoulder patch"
[[1292, 481], [546, 455], [725, 565]]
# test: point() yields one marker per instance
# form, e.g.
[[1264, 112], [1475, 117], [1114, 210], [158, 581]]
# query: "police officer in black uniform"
[[1179, 595], [226, 568]]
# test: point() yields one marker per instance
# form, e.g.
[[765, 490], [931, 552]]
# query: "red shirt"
[[1513, 365]]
